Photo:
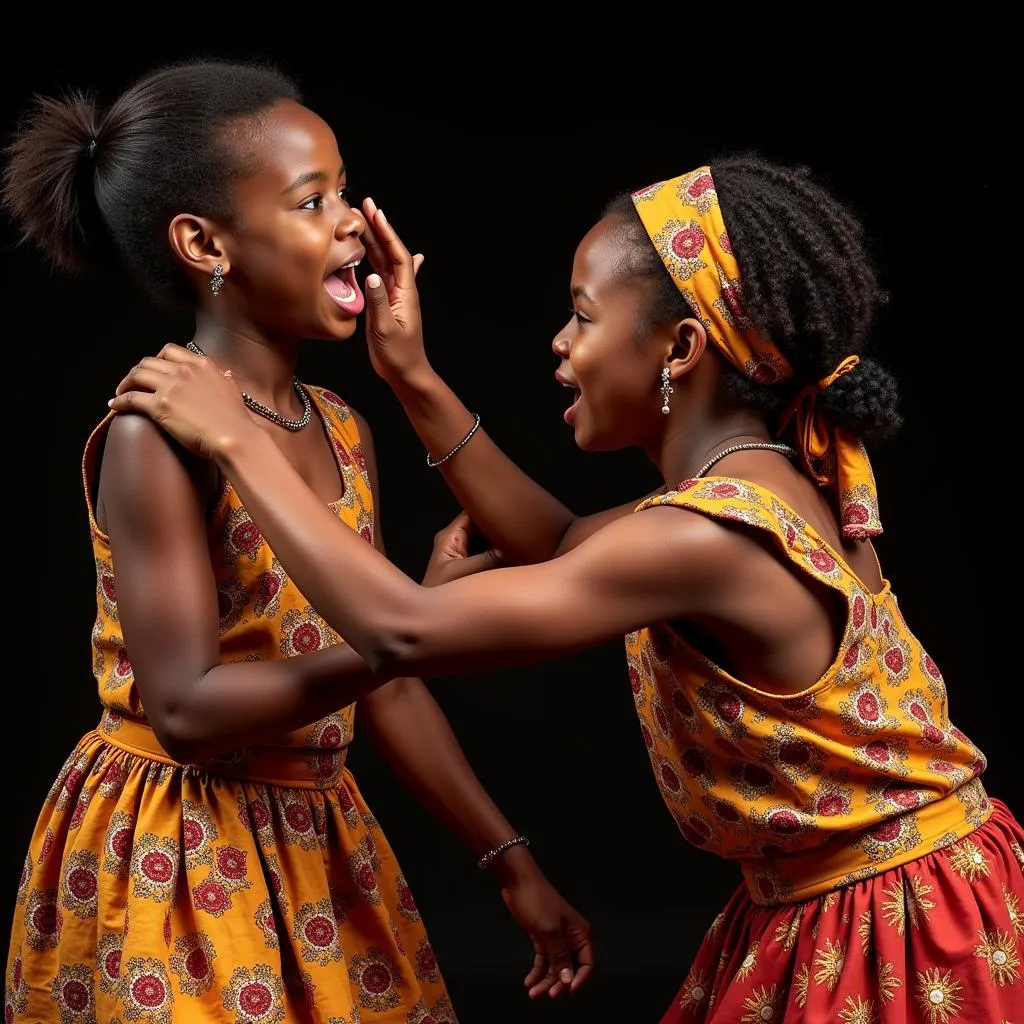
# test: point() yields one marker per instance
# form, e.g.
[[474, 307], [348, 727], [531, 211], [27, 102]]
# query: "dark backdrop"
[[495, 174]]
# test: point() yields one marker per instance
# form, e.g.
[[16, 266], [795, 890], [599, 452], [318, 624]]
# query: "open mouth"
[[570, 413], [344, 289]]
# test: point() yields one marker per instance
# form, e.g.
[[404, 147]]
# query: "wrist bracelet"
[[485, 861], [472, 430]]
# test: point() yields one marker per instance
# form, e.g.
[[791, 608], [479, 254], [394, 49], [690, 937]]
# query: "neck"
[[264, 367], [687, 447]]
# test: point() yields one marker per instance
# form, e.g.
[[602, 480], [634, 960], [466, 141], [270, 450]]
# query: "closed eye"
[[580, 317]]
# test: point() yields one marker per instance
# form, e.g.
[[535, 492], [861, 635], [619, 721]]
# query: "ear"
[[689, 341], [197, 243]]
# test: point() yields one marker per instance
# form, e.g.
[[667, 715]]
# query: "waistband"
[[852, 857], [295, 767]]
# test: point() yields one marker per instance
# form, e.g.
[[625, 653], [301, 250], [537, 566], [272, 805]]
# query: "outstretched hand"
[[563, 951], [188, 395], [394, 328], [451, 560]]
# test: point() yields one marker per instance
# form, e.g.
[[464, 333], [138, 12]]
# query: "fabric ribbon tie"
[[684, 222]]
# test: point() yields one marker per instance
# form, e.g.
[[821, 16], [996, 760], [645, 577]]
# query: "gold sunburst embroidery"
[[829, 962], [788, 932], [695, 990], [1013, 909], [902, 906], [801, 983], [887, 981], [860, 1012], [967, 860], [749, 963], [1017, 852], [864, 931], [938, 995], [918, 904], [1000, 949], [827, 902], [716, 926], [761, 1005], [894, 908]]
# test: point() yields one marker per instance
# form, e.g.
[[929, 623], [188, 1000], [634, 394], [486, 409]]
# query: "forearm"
[[243, 703], [412, 733], [515, 513]]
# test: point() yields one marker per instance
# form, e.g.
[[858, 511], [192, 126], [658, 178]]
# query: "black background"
[[495, 173]]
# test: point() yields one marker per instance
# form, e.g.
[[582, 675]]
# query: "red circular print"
[[902, 797], [831, 805], [683, 707], [794, 753], [726, 811], [73, 779], [231, 863], [332, 398], [344, 800], [648, 738], [961, 736], [331, 736], [700, 185], [149, 991], [756, 776], [376, 979], [16, 973], [878, 751], [210, 896], [319, 931], [270, 585], [894, 660], [405, 899], [275, 881], [634, 680], [112, 964], [246, 537], [944, 767], [259, 813], [918, 711], [121, 842], [661, 718], [887, 831], [306, 638], [860, 611], [82, 884], [856, 514], [688, 242], [45, 918], [196, 964], [669, 777], [725, 243], [725, 490], [367, 879], [109, 587], [157, 866], [729, 707], [783, 822], [426, 962], [124, 666], [298, 817], [75, 996], [255, 998], [167, 929], [764, 373], [822, 561], [867, 707], [932, 734], [192, 834], [695, 831], [931, 668]]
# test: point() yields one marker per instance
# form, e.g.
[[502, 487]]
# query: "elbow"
[[395, 654], [180, 733]]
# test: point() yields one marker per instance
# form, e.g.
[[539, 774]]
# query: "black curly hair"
[[808, 283], [95, 188]]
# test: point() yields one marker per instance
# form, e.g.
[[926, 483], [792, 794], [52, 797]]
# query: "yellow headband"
[[684, 222]]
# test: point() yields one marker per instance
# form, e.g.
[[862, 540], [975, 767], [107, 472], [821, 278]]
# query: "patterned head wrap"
[[684, 222]]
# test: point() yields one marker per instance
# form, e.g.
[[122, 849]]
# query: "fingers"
[[178, 354], [391, 249], [146, 375], [417, 262], [143, 402], [585, 961], [378, 307]]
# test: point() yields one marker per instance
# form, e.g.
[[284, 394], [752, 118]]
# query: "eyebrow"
[[580, 292], [305, 179]]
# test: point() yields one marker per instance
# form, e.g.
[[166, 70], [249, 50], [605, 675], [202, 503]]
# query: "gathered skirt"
[[938, 940], [158, 894]]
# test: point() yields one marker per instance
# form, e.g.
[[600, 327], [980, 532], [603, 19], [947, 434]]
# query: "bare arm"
[[167, 601]]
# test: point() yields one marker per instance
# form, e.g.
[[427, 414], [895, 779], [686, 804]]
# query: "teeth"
[[354, 263]]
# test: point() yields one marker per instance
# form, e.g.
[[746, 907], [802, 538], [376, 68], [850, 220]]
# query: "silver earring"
[[217, 281], [666, 390]]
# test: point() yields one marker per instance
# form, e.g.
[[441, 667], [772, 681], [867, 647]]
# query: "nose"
[[350, 222], [562, 342]]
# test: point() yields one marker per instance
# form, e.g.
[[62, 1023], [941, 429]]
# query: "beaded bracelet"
[[472, 430], [485, 861]]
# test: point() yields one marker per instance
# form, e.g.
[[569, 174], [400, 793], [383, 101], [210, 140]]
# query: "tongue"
[[340, 288]]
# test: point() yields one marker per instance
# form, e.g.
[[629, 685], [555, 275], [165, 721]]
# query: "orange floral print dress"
[[254, 889], [882, 884]]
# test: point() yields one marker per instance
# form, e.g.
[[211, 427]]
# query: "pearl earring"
[[666, 390]]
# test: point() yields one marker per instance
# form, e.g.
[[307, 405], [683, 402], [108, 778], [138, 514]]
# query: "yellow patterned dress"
[[882, 885], [256, 889]]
